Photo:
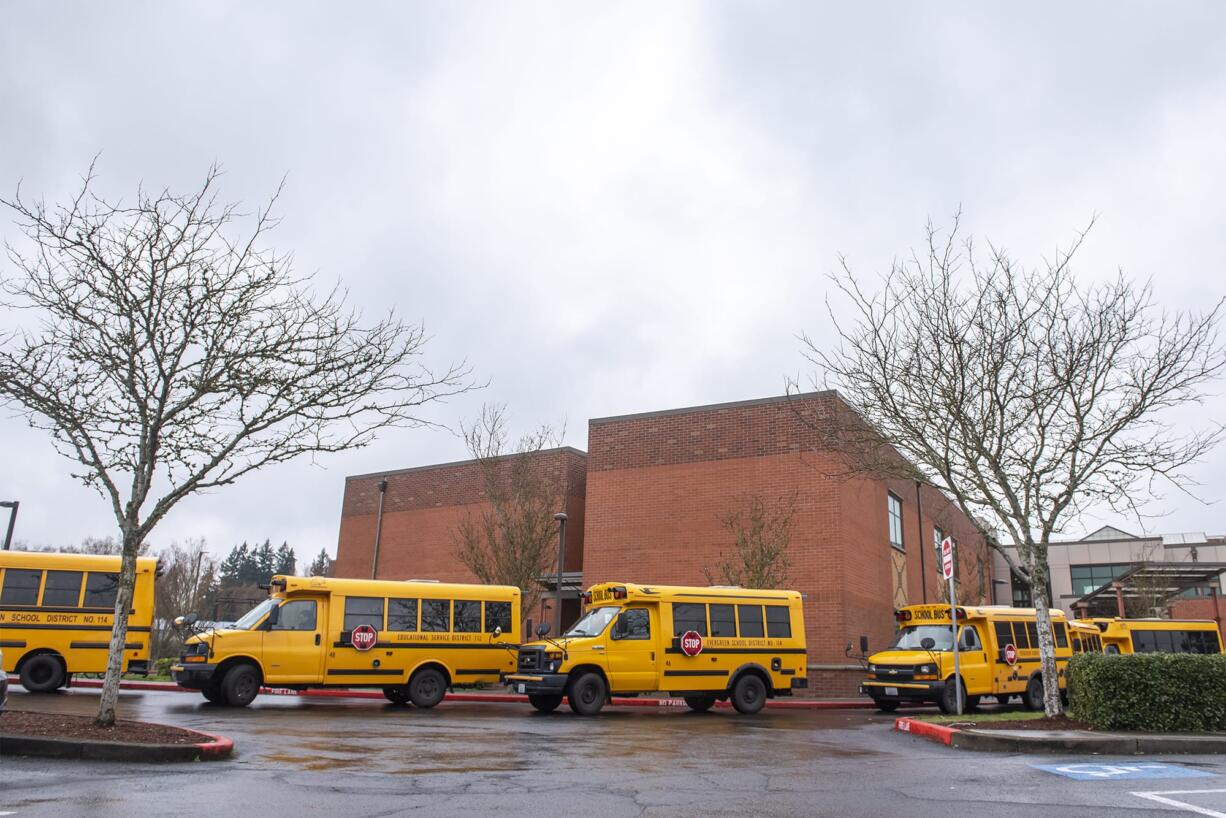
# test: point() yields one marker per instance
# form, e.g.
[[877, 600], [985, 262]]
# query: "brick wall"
[[422, 510]]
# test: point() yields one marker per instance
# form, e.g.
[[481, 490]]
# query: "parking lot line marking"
[[1121, 770], [1183, 805]]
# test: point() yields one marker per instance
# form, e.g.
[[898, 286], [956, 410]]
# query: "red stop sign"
[[1010, 654], [364, 637], [691, 643]]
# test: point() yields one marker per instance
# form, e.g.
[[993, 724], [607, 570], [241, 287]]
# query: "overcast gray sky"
[[611, 208]]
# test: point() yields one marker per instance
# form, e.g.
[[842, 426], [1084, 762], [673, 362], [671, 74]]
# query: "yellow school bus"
[[998, 656], [1084, 637], [56, 614], [413, 639], [1121, 635], [701, 644]]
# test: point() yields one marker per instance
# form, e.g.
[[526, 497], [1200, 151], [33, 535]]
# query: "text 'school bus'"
[[414, 639], [1158, 635], [998, 656], [702, 644], [56, 614]]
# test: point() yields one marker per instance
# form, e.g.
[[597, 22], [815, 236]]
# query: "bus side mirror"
[[274, 616], [864, 644], [542, 629], [497, 632], [185, 621]]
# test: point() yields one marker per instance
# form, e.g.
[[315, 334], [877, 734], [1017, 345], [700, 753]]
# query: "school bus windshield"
[[248, 620], [913, 636], [593, 622]]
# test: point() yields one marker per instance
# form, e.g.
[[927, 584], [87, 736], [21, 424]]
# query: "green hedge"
[[1162, 692]]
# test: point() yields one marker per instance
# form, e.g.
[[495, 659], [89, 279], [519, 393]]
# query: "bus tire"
[[886, 706], [587, 694], [972, 704], [545, 702], [749, 694], [399, 694], [427, 688], [700, 704], [240, 685], [42, 673], [212, 693], [947, 704], [1033, 698]]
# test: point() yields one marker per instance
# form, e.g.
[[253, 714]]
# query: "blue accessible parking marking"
[[1121, 770]]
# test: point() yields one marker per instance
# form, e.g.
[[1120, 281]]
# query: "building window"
[[1087, 578], [894, 506], [1022, 598]]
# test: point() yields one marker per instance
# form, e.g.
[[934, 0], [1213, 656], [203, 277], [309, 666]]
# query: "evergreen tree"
[[264, 563], [287, 560], [322, 564], [234, 567]]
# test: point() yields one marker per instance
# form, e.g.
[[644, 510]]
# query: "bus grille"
[[531, 660], [897, 672]]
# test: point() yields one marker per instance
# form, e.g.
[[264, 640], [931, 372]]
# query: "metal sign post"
[[947, 569]]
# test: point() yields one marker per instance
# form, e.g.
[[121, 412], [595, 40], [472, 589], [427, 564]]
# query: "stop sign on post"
[[947, 558], [364, 637], [1010, 655], [691, 643]]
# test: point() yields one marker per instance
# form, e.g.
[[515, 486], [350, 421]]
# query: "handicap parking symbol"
[[1121, 770]]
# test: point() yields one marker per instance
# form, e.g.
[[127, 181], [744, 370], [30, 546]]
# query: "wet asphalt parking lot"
[[347, 757]]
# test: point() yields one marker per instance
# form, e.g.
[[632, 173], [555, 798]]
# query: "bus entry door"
[[293, 643], [633, 652]]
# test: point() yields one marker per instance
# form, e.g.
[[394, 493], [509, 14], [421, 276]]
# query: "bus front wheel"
[[700, 704], [42, 673], [212, 693], [1033, 698], [886, 706], [545, 702], [240, 685], [587, 694], [947, 703], [396, 695]]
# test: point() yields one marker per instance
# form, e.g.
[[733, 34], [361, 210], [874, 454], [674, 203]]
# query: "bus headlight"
[[926, 669]]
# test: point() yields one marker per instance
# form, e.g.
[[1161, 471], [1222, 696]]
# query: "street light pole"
[[557, 613], [11, 505]]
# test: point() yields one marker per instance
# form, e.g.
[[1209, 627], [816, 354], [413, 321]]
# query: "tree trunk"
[[1047, 648], [119, 631]]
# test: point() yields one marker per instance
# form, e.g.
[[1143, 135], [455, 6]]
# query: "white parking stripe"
[[1171, 802]]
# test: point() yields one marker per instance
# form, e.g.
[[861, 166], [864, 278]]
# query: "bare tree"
[[188, 580], [1024, 396], [514, 540], [169, 351], [761, 533]]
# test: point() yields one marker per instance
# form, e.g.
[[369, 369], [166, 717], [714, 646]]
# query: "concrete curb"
[[489, 698], [1014, 741], [215, 749]]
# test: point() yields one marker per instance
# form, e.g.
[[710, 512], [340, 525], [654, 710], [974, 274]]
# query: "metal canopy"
[[1150, 583], [572, 583]]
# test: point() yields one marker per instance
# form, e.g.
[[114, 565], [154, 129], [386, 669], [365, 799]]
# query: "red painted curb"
[[923, 729], [220, 747], [489, 698]]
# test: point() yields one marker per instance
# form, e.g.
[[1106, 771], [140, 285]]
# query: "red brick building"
[[649, 510]]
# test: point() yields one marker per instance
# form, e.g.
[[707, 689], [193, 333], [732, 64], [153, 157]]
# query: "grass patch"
[[1006, 715]]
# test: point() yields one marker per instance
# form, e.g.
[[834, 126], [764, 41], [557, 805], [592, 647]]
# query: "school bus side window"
[[634, 623], [363, 610], [750, 619], [62, 589], [723, 620], [497, 615], [467, 616], [1004, 635], [778, 622], [970, 639], [689, 617], [436, 615], [296, 615], [1061, 634], [402, 614], [100, 590], [20, 587]]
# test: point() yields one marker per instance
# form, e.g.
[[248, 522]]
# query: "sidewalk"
[[491, 698], [1063, 741]]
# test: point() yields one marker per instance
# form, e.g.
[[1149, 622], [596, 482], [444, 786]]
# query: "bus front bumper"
[[538, 684], [192, 676], [903, 691]]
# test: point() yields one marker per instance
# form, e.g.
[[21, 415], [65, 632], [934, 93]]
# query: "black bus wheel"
[[587, 694], [240, 685], [1033, 698], [397, 695], [427, 688], [700, 703], [545, 702], [886, 706], [749, 694], [212, 693], [947, 703], [42, 673]]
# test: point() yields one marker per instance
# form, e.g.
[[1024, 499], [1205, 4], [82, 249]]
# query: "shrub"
[[162, 666], [1168, 692]]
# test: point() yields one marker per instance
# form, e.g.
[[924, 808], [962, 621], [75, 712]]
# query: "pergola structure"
[[1151, 584]]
